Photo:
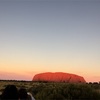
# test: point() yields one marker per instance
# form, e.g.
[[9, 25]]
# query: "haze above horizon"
[[49, 36]]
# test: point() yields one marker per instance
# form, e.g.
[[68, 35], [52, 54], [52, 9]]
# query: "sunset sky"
[[49, 36]]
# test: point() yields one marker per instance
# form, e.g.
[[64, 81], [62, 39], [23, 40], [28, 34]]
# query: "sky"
[[39, 36]]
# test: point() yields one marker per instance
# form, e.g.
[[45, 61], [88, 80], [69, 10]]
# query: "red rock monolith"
[[58, 77]]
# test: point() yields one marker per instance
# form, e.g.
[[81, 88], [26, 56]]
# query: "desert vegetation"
[[58, 91]]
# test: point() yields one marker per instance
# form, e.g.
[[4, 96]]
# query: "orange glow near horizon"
[[28, 75], [26, 70], [49, 36]]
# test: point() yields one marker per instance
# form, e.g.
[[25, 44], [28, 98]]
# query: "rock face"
[[58, 77]]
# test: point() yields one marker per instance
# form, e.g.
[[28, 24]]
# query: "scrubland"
[[57, 91]]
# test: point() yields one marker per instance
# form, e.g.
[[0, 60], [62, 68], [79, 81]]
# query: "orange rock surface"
[[58, 77]]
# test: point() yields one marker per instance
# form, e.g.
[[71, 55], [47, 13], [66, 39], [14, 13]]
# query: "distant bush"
[[64, 91]]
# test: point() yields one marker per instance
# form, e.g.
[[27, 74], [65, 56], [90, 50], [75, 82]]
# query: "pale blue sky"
[[51, 33]]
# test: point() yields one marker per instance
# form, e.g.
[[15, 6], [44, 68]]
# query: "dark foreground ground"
[[57, 91]]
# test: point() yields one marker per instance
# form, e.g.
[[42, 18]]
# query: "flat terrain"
[[57, 91], [18, 84]]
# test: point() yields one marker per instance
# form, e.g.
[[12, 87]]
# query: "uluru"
[[58, 77]]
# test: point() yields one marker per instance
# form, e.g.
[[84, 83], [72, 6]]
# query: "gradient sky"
[[49, 36]]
